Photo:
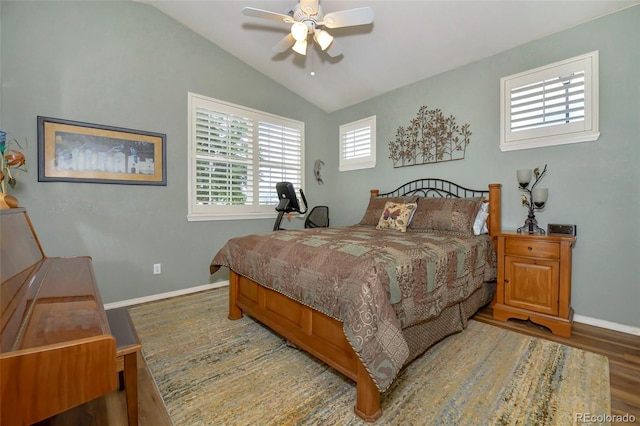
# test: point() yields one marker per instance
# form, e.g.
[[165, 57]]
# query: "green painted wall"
[[125, 64], [595, 185]]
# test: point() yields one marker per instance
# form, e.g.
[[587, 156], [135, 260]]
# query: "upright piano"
[[56, 349]]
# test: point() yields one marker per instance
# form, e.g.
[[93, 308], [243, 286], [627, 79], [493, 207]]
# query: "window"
[[358, 145], [551, 105], [236, 157]]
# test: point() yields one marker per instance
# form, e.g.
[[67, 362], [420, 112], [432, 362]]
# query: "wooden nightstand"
[[534, 280]]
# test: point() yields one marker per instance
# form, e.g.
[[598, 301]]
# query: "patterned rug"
[[213, 371]]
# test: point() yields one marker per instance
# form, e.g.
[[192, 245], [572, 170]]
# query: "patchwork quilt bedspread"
[[376, 282]]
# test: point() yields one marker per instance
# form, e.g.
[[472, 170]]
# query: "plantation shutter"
[[280, 159], [224, 158], [549, 102], [550, 105], [357, 145], [237, 155]]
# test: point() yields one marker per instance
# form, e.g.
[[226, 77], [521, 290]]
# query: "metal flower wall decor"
[[430, 138]]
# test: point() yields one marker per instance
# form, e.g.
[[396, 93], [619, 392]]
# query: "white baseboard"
[[155, 297], [623, 328], [577, 318]]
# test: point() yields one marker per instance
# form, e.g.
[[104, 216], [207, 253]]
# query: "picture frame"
[[71, 151]]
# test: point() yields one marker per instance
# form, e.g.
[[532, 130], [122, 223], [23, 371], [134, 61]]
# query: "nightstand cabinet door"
[[531, 284]]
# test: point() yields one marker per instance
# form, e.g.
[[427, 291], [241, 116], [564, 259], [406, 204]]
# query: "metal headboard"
[[438, 188]]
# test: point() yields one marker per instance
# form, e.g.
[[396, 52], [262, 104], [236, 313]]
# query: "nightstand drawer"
[[547, 250]]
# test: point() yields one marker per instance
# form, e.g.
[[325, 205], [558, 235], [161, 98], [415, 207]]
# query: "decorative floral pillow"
[[376, 208], [396, 216], [447, 214]]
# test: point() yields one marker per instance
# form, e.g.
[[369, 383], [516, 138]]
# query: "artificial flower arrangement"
[[12, 162]]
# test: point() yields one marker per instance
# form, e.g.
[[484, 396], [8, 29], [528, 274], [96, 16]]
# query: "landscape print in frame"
[[71, 151]]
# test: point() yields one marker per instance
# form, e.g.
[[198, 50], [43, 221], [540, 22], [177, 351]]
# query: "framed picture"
[[70, 151]]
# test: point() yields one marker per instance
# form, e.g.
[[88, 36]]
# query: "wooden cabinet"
[[534, 280]]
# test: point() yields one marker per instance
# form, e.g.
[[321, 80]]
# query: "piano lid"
[[49, 300]]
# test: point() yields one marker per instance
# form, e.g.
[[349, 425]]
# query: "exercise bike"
[[317, 218]]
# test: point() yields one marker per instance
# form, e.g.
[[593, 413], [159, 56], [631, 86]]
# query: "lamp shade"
[[539, 196], [524, 177]]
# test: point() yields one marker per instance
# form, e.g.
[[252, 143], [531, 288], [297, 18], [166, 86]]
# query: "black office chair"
[[318, 217]]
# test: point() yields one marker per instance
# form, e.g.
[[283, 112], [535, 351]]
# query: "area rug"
[[213, 371]]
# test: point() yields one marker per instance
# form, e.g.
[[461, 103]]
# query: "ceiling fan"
[[306, 19]]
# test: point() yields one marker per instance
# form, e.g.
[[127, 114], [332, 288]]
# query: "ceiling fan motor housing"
[[309, 7], [301, 15]]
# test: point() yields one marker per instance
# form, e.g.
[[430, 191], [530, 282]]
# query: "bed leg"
[[235, 313], [368, 397]]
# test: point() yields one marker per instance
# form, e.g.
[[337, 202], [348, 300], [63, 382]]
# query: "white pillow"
[[480, 224]]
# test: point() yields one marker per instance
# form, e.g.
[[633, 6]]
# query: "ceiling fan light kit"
[[305, 18], [299, 31], [300, 47], [323, 39]]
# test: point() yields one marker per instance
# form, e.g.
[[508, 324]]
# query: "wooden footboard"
[[316, 333]]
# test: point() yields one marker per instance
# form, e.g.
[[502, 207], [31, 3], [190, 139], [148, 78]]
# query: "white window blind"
[[551, 105], [358, 145], [280, 153], [224, 159], [237, 155], [551, 102]]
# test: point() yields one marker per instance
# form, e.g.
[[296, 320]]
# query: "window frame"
[[365, 162], [197, 212], [550, 135]]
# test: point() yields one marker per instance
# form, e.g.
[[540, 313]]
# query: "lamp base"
[[8, 201], [531, 227]]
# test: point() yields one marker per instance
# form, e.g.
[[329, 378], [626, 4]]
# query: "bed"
[[368, 299]]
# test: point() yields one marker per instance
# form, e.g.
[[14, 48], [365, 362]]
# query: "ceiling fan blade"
[[335, 49], [348, 18], [284, 44], [265, 14]]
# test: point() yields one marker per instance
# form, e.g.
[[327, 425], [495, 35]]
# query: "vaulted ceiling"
[[407, 42]]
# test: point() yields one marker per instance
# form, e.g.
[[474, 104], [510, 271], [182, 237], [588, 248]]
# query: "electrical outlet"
[[157, 268]]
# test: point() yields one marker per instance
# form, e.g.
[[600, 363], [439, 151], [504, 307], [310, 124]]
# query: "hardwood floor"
[[623, 351]]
